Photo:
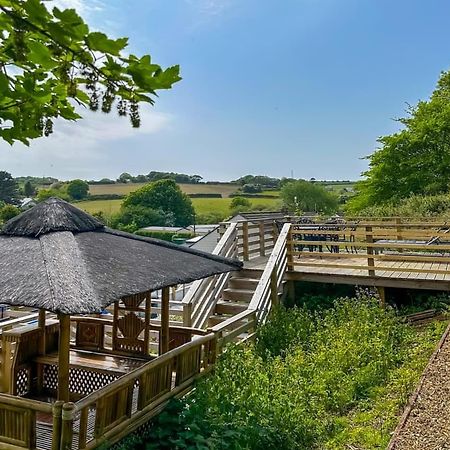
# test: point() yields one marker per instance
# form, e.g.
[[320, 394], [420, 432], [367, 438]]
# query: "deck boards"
[[332, 270]]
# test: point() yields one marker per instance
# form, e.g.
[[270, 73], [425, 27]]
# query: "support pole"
[[164, 336], [382, 294], [63, 357], [41, 323], [68, 411], [56, 431]]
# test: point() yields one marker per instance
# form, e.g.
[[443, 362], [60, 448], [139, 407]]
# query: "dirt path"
[[425, 424]]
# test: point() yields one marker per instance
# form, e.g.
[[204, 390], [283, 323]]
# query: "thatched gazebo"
[[57, 258]]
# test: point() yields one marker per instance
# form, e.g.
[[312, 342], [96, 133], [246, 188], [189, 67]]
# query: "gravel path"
[[425, 424]]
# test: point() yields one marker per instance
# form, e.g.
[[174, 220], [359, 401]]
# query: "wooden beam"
[[382, 294], [164, 335], [63, 357]]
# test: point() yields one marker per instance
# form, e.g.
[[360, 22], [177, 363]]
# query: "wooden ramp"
[[425, 424]]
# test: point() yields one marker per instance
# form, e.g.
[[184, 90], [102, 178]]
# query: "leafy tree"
[[240, 203], [78, 189], [50, 62], [44, 194], [125, 177], [131, 218], [251, 188], [8, 212], [415, 160], [303, 195], [28, 189], [9, 189], [166, 196]]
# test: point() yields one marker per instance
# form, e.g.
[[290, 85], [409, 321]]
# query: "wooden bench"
[[89, 371]]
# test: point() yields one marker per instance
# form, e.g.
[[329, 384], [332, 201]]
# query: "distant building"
[[27, 203]]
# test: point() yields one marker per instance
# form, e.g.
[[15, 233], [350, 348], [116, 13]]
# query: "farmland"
[[225, 189], [201, 205]]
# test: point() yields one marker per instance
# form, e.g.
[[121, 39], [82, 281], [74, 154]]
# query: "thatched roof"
[[59, 258]]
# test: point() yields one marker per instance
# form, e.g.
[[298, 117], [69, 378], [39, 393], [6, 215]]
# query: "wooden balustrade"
[[372, 247], [122, 406], [18, 423], [201, 298]]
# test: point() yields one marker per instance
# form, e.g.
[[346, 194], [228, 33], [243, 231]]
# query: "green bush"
[[7, 212]]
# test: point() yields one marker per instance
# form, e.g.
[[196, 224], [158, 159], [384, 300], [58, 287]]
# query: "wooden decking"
[[389, 271]]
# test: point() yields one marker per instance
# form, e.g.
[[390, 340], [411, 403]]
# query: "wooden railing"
[[256, 238], [121, 407], [372, 247], [19, 425], [268, 289], [202, 297]]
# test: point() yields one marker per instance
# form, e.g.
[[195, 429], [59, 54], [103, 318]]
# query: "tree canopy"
[[416, 159], [50, 63], [165, 196], [78, 189], [9, 189], [301, 196]]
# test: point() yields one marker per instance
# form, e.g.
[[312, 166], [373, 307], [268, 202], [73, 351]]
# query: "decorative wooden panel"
[[90, 335], [131, 327], [17, 427]]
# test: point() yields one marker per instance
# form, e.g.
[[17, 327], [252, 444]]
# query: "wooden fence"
[[373, 248]]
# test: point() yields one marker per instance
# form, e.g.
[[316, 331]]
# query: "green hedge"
[[243, 194], [205, 195]]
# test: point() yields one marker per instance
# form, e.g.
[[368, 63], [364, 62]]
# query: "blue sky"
[[269, 87]]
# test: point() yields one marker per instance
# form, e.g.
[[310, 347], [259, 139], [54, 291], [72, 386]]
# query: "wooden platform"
[[389, 271]]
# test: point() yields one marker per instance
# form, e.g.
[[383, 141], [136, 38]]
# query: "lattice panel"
[[23, 381], [81, 382]]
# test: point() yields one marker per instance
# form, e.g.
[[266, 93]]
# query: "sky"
[[270, 87]]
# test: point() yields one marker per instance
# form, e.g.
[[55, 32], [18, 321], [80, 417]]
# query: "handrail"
[[203, 294], [266, 291], [125, 380]]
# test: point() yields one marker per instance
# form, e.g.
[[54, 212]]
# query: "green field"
[[125, 188], [201, 205]]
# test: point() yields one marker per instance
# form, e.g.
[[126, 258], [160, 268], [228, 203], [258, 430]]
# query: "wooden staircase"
[[236, 296]]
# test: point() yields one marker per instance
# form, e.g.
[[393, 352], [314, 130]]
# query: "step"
[[254, 274], [243, 283], [237, 295], [216, 319], [224, 307]]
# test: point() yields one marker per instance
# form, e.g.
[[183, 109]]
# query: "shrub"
[[330, 380], [204, 195], [240, 203], [7, 212]]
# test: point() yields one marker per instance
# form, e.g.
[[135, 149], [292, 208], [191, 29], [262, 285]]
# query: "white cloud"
[[83, 7], [81, 149], [210, 7]]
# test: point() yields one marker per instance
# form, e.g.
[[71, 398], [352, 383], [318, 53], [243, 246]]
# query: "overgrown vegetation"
[[330, 379]]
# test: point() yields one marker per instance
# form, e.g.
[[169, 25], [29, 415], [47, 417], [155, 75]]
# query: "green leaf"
[[36, 10], [100, 42], [4, 87], [40, 54]]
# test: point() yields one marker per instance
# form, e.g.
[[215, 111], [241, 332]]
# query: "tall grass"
[[334, 379]]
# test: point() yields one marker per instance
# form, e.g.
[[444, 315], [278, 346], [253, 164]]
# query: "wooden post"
[[274, 287], [262, 243], [42, 349], [245, 240], [67, 426], [370, 260], [398, 222], [164, 335], [290, 250], [382, 294], [63, 357], [56, 432], [148, 310], [187, 314]]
